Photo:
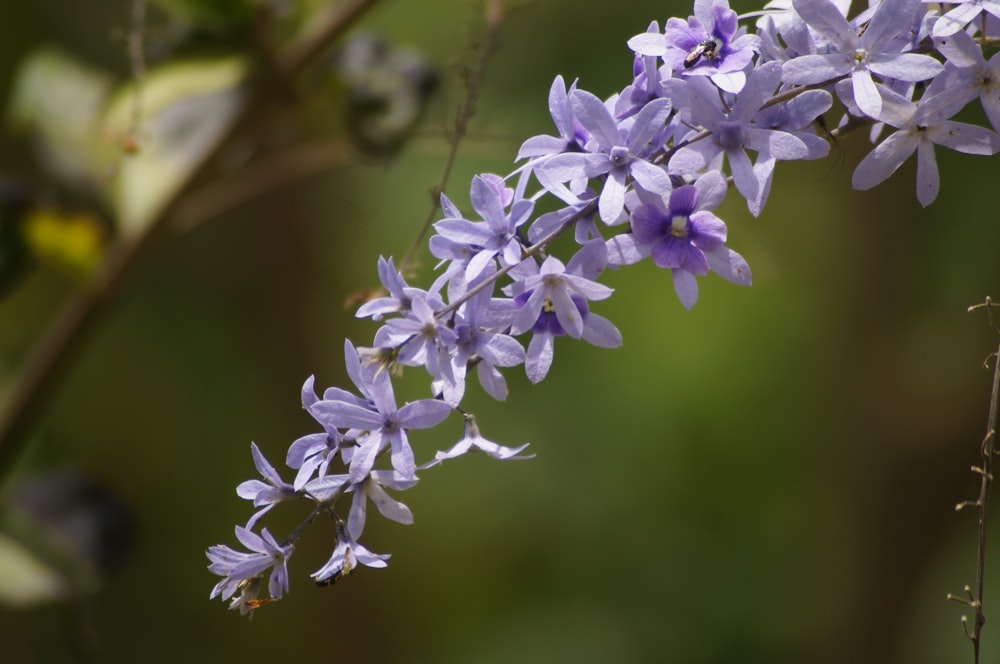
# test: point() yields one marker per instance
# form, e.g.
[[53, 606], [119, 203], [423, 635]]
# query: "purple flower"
[[266, 494], [921, 125], [312, 454], [399, 293], [370, 488], [345, 557], [704, 45], [495, 236], [551, 290], [553, 302], [968, 75], [779, 18], [646, 82], [796, 117], [473, 441], [572, 135], [875, 51], [386, 425], [480, 342], [684, 236], [613, 151], [422, 339], [243, 570], [456, 254], [734, 131]]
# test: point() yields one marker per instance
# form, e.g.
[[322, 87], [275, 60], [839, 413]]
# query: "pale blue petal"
[[712, 188], [423, 414], [359, 510], [763, 81], [824, 17], [594, 115], [956, 19], [624, 250], [599, 331], [729, 265], [891, 18], [612, 200], [866, 94], [492, 381], [648, 43], [812, 69], [502, 350], [686, 287], [773, 143], [960, 49], [559, 107], [883, 161], [928, 181], [589, 261], [650, 177], [651, 119], [905, 66], [732, 82], [743, 175], [401, 454], [538, 360], [345, 415], [264, 467], [589, 289], [464, 231], [364, 457], [387, 506], [541, 145], [966, 138]]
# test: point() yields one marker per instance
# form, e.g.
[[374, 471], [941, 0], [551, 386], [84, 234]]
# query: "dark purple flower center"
[[731, 135], [548, 322], [466, 335]]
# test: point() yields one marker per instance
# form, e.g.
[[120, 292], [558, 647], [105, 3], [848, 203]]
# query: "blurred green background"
[[769, 477]]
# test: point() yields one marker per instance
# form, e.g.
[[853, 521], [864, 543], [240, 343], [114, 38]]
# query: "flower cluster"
[[636, 175]]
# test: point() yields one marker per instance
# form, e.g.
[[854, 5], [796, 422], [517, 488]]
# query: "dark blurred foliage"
[[74, 524], [14, 254], [385, 90], [767, 478]]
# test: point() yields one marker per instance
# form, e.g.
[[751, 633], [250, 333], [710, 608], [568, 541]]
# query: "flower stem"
[[973, 598]]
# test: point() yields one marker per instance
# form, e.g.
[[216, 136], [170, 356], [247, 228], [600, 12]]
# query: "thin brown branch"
[[137, 65], [473, 79], [987, 450], [283, 168], [325, 31]]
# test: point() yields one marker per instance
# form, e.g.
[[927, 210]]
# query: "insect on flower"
[[348, 565], [707, 48], [337, 576]]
